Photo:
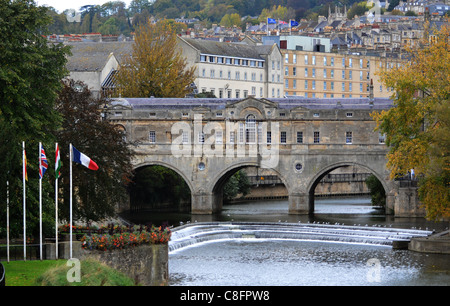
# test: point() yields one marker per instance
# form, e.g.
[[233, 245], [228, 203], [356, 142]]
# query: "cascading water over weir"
[[194, 233]]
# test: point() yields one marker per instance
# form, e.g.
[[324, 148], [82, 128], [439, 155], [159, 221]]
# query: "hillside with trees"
[[115, 18]]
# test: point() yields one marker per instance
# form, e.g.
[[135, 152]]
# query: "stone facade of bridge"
[[301, 140]]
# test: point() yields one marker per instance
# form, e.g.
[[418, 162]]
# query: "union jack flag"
[[44, 164]]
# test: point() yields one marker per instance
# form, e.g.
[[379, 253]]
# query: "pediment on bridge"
[[251, 105], [253, 101]]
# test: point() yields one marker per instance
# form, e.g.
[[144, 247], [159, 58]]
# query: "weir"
[[195, 233]]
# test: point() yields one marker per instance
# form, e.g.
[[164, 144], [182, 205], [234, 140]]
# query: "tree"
[[417, 128], [230, 20], [155, 67], [30, 73], [96, 193]]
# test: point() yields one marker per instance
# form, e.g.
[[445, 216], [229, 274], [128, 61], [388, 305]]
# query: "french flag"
[[82, 159]]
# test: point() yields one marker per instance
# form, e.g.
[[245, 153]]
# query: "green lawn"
[[24, 273], [54, 273]]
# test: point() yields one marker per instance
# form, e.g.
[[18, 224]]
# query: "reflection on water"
[[348, 211], [254, 262]]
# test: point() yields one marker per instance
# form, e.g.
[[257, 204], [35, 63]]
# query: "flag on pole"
[[25, 173], [58, 163], [294, 23], [43, 163], [271, 21], [82, 159]]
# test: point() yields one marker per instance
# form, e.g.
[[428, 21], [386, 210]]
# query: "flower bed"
[[125, 239]]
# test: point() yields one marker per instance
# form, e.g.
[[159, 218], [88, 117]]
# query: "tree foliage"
[[156, 66], [96, 194], [417, 128], [30, 74]]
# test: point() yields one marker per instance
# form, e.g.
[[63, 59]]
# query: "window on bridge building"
[[316, 137], [283, 137], [348, 137], [250, 129], [152, 137]]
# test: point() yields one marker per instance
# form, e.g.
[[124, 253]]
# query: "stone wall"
[[148, 265]]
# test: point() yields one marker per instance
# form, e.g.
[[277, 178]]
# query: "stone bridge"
[[300, 140]]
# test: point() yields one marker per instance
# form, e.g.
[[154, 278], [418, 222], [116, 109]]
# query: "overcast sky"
[[61, 5]]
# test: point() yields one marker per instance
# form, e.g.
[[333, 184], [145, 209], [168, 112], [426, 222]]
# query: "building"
[[233, 70], [95, 63]]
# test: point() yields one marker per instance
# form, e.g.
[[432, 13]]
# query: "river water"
[[278, 262]]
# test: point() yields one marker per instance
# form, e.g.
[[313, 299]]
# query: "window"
[[269, 137], [343, 74], [185, 137], [294, 58], [306, 84], [294, 84], [350, 63], [306, 59], [219, 137], [250, 129], [313, 59], [203, 58], [283, 137], [332, 61], [349, 115], [324, 60], [350, 76], [201, 137], [294, 71], [350, 87], [314, 84], [343, 62], [332, 73], [286, 58], [324, 73], [299, 137], [306, 72], [286, 83], [232, 137], [212, 59], [381, 138], [316, 137], [324, 86], [286, 71], [152, 137], [343, 86], [314, 72], [348, 137]]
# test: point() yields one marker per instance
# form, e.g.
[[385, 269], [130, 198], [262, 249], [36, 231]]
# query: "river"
[[282, 262]]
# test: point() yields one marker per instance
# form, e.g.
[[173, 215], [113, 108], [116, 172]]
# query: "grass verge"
[[54, 273]]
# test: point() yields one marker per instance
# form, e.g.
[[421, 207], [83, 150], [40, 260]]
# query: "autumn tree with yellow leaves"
[[155, 67], [417, 128]]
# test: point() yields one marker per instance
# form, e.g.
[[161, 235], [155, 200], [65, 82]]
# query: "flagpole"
[[40, 199], [56, 203], [7, 218], [70, 180], [24, 203]]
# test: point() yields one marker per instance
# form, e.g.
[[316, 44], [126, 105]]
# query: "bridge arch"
[[164, 200], [317, 177], [217, 183], [167, 165]]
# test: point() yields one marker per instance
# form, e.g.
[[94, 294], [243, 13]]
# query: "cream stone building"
[[232, 70], [333, 75]]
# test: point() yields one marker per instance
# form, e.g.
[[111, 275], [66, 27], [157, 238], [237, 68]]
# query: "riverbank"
[[438, 243]]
